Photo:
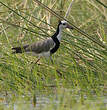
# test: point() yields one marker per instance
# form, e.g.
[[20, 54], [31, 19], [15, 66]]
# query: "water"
[[54, 100]]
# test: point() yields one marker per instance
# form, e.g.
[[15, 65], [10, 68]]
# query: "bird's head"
[[63, 24]]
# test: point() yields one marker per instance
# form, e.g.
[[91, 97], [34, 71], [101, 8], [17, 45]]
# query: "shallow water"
[[52, 100]]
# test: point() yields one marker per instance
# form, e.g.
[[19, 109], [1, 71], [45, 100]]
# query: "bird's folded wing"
[[41, 46]]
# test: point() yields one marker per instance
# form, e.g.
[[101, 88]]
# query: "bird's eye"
[[64, 24]]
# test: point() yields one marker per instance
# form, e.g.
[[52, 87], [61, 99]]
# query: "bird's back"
[[41, 46]]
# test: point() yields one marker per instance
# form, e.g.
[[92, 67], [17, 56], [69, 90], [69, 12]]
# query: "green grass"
[[79, 65]]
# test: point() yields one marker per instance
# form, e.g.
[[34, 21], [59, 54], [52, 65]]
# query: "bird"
[[47, 47]]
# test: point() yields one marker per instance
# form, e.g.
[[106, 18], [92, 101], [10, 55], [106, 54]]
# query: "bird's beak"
[[70, 27]]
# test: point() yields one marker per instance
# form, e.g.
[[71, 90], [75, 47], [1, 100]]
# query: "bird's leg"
[[51, 59], [35, 63], [37, 60]]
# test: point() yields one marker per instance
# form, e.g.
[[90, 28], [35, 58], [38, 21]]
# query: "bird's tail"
[[19, 49]]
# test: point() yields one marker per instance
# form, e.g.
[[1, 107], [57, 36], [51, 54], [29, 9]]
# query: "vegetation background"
[[80, 65]]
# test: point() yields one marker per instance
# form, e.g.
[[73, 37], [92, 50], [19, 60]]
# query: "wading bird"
[[46, 47]]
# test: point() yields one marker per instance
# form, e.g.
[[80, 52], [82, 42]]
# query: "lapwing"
[[46, 47]]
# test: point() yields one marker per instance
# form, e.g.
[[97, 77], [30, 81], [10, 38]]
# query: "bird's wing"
[[41, 46]]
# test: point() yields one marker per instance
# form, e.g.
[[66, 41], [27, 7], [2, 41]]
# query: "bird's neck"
[[56, 38], [58, 34]]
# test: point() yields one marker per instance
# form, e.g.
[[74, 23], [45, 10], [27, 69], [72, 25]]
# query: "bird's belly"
[[43, 54]]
